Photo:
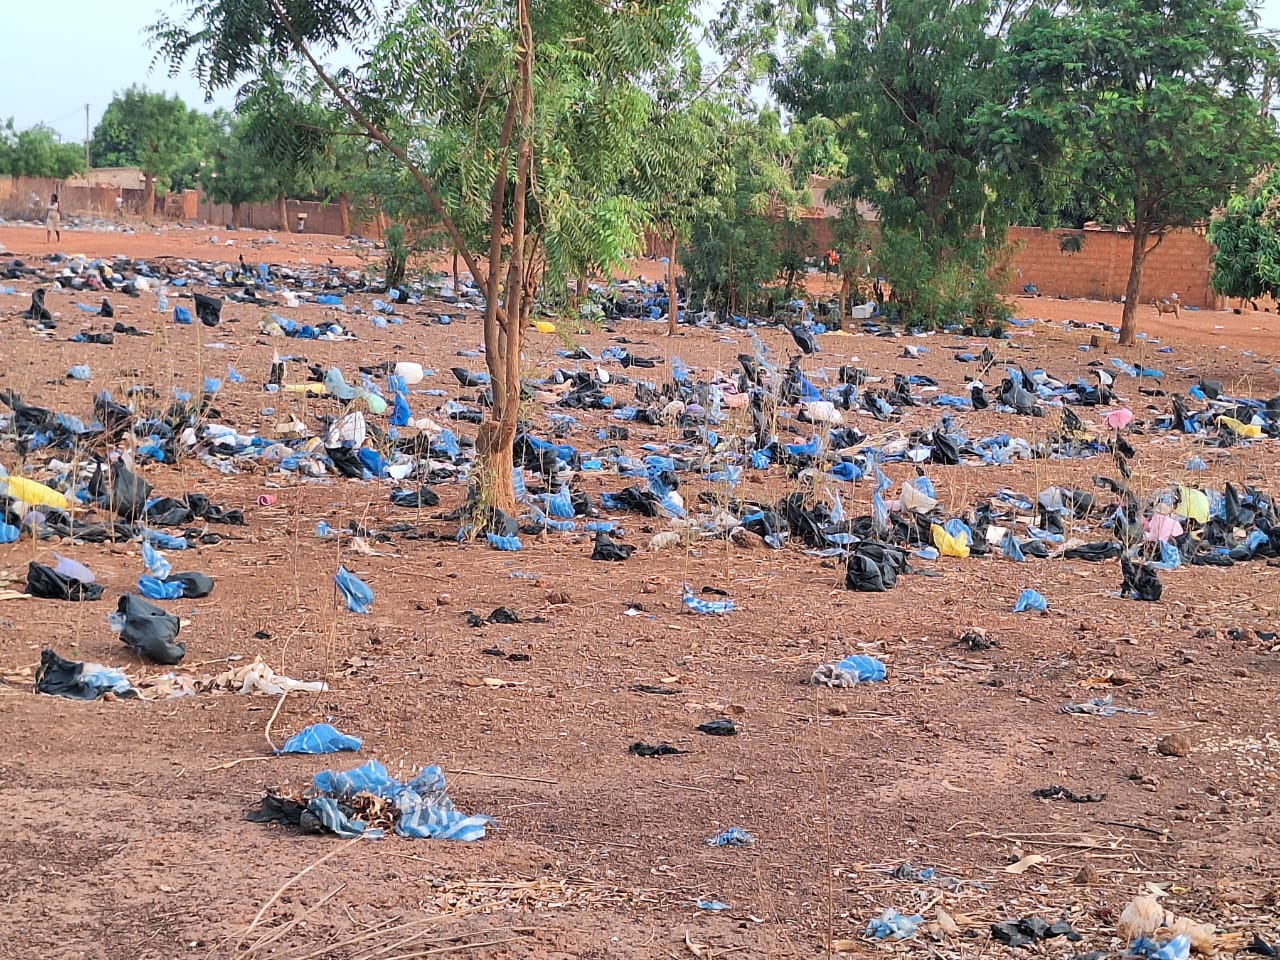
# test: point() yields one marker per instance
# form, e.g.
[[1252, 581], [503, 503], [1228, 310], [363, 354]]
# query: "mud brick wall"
[[1100, 270]]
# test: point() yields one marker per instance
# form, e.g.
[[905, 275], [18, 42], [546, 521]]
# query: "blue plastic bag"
[[354, 591], [154, 589], [892, 925], [858, 668], [181, 314], [424, 807], [157, 565], [1031, 600], [320, 738], [733, 837], [1012, 549], [705, 606]]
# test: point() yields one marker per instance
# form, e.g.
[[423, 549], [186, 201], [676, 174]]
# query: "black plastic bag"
[[150, 631], [606, 548], [642, 749], [424, 496], [38, 311], [126, 492], [469, 379], [208, 310], [346, 462], [169, 512], [1140, 581], [874, 567], [718, 728], [45, 583], [804, 339], [194, 585], [59, 677], [1093, 552]]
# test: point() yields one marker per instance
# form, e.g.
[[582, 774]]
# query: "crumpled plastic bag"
[[874, 567], [320, 738], [1140, 581], [852, 670], [892, 925], [208, 309], [47, 584], [948, 545], [1193, 504], [1250, 431], [80, 681], [31, 493], [258, 677], [1162, 527], [424, 496], [149, 630], [354, 591], [126, 493], [733, 837], [425, 810], [1031, 601], [606, 548], [698, 605]]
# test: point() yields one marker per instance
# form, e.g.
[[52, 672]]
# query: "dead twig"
[[274, 713], [500, 776]]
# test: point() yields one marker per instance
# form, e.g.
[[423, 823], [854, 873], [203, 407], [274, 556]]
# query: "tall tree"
[[1246, 241], [152, 131], [679, 164], [741, 224], [1155, 105], [37, 152], [901, 81], [478, 101], [237, 172], [289, 130]]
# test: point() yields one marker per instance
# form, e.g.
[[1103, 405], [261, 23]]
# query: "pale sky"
[[54, 61]]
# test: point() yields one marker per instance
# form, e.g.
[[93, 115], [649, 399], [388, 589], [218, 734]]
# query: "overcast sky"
[[53, 61]]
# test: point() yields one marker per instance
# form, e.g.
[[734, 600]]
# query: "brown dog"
[[1165, 305]]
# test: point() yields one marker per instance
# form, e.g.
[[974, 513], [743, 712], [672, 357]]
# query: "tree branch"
[[375, 133]]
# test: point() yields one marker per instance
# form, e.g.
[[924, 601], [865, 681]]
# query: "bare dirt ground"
[[126, 833]]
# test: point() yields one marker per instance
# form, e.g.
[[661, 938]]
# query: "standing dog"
[[1165, 305]]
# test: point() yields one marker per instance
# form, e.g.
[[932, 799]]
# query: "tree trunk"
[[284, 214], [504, 326], [237, 214], [673, 295], [149, 198], [1137, 259], [344, 213], [456, 282], [846, 294]]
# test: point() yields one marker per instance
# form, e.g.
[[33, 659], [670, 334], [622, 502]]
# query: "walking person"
[[53, 220]]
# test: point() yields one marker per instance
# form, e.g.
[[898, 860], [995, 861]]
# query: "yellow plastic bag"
[[33, 494], [1193, 504], [316, 388], [948, 545], [544, 326], [1249, 430]]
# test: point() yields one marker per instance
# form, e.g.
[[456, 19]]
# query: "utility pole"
[[86, 143]]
